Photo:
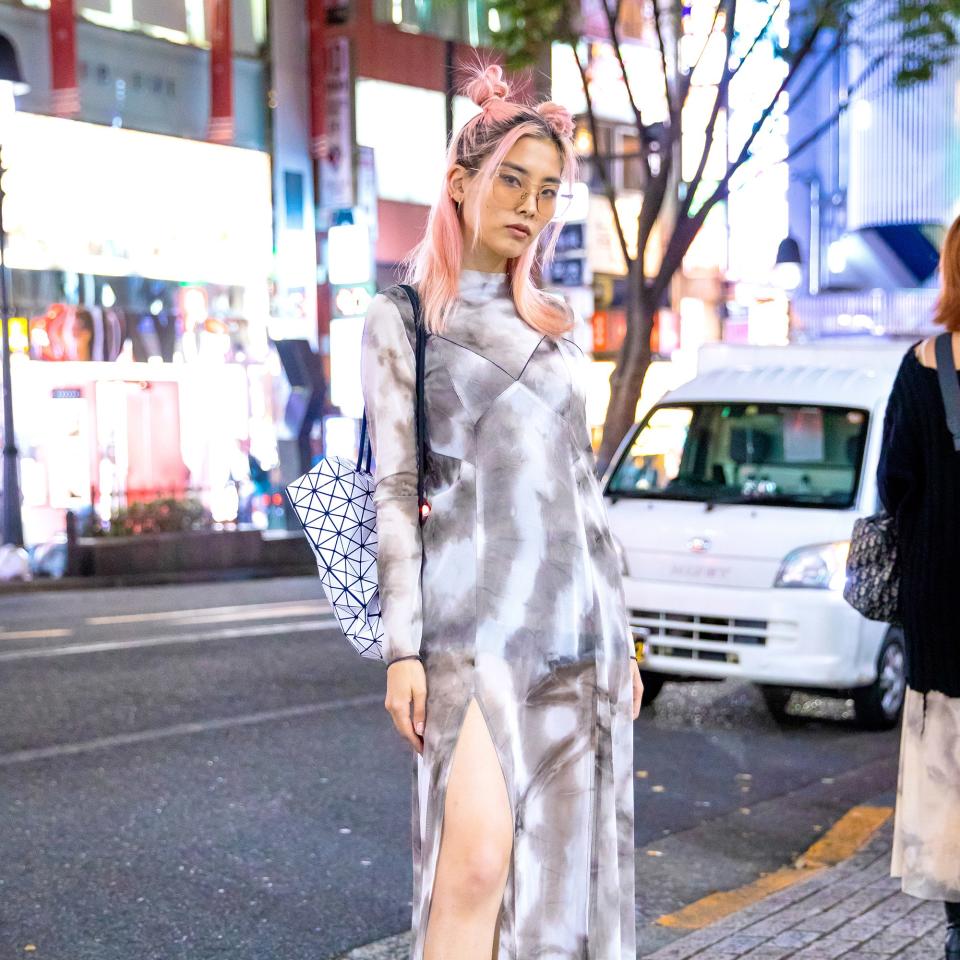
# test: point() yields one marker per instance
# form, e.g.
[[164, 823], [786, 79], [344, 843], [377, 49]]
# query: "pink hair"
[[482, 143]]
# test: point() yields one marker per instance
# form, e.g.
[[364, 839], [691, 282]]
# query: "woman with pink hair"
[[511, 669]]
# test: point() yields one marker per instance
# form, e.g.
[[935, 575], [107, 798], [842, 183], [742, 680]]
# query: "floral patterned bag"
[[873, 580]]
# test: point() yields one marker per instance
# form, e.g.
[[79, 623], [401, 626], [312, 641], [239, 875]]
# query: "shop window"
[[179, 21], [473, 22], [161, 13]]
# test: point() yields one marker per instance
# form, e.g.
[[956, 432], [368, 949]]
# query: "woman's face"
[[509, 221]]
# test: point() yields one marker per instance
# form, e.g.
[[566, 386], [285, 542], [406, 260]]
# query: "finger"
[[401, 720], [419, 711]]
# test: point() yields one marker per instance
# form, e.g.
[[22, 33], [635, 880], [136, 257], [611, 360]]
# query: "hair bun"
[[558, 116], [487, 84]]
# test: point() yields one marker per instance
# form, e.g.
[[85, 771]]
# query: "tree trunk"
[[628, 375]]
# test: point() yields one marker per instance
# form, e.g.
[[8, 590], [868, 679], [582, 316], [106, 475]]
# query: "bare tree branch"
[[601, 164], [826, 124], [757, 38], [710, 131], [672, 105], [686, 80], [692, 225], [638, 117]]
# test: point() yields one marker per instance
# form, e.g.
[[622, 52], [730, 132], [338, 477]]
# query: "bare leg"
[[475, 845]]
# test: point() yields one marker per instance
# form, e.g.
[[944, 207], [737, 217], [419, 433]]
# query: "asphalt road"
[[207, 771]]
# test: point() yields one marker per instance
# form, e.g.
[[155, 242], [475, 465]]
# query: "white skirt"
[[926, 832]]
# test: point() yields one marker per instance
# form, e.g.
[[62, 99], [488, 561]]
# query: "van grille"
[[668, 626]]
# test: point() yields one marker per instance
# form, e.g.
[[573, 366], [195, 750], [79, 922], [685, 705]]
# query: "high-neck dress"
[[511, 593]]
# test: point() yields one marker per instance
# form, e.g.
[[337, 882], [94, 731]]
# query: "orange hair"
[[947, 311]]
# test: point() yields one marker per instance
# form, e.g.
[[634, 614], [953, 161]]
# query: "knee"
[[482, 873]]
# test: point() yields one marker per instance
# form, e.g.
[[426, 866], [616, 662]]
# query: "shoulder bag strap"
[[365, 452], [366, 449], [421, 413], [949, 385]]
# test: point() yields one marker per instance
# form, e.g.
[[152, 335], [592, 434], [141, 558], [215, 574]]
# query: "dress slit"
[[436, 830], [506, 938]]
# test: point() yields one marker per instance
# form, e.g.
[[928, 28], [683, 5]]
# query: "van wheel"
[[776, 699], [878, 706], [652, 685]]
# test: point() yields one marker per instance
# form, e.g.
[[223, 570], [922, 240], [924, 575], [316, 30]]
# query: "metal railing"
[[873, 312]]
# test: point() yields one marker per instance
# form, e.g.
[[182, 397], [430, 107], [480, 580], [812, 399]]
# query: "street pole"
[[12, 520], [12, 85]]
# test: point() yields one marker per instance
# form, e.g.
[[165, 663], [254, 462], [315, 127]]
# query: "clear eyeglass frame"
[[510, 189]]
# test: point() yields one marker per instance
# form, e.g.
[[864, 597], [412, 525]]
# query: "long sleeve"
[[388, 384], [901, 460]]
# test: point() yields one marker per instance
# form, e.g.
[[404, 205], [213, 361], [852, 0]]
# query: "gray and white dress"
[[511, 593]]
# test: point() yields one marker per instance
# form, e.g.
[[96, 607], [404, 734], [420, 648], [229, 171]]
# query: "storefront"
[[141, 268]]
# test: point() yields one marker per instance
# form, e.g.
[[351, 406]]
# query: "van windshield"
[[760, 453]]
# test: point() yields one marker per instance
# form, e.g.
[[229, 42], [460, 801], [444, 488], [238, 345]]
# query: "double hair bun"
[[488, 90]]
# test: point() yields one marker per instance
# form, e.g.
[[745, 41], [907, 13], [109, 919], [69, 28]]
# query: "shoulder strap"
[[949, 385], [421, 413], [403, 294]]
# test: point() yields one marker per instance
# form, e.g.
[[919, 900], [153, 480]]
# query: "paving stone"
[[822, 950], [794, 939], [854, 911]]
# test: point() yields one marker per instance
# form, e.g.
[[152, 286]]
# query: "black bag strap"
[[423, 507], [365, 453], [366, 449], [949, 385]]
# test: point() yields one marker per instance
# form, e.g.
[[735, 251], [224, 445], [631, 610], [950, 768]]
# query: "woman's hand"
[[637, 689], [406, 684]]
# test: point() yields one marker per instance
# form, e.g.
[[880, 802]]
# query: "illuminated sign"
[[352, 301], [87, 198]]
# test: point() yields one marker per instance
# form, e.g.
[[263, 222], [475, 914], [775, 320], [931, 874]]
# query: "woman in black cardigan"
[[919, 484]]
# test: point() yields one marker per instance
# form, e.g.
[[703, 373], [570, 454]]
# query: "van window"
[[765, 453]]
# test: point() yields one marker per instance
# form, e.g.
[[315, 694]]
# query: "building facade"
[[871, 198], [140, 240]]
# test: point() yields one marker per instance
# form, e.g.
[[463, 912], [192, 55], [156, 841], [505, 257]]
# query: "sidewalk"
[[853, 910]]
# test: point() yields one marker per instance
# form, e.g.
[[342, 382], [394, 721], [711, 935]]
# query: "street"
[[208, 771]]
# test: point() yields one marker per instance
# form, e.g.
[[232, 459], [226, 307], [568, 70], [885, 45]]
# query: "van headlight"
[[821, 566], [621, 555]]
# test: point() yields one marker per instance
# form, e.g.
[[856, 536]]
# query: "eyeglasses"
[[510, 189]]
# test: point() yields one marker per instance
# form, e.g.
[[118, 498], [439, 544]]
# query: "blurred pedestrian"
[[919, 485], [504, 616]]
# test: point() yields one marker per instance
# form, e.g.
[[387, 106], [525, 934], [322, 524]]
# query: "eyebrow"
[[526, 172]]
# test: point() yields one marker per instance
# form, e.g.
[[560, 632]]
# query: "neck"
[[482, 258]]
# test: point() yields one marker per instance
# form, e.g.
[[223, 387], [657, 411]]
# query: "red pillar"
[[63, 59], [317, 26], [221, 128]]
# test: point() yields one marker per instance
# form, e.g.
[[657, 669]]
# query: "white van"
[[733, 502]]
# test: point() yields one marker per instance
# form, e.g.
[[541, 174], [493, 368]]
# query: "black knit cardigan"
[[919, 484]]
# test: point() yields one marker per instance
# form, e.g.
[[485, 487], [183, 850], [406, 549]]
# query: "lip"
[[518, 229]]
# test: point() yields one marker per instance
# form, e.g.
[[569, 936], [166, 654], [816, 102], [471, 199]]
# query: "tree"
[[903, 40]]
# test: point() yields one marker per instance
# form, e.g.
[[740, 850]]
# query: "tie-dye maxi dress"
[[511, 593]]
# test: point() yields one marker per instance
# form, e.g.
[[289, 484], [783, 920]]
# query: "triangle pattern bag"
[[334, 504]]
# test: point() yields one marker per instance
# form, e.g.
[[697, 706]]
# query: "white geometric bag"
[[334, 503]]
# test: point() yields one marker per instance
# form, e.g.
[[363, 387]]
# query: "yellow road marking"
[[34, 634], [845, 837], [841, 841]]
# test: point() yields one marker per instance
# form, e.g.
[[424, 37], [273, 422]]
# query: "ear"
[[456, 179]]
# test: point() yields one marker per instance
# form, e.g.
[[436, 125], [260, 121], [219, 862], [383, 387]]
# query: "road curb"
[[844, 839]]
